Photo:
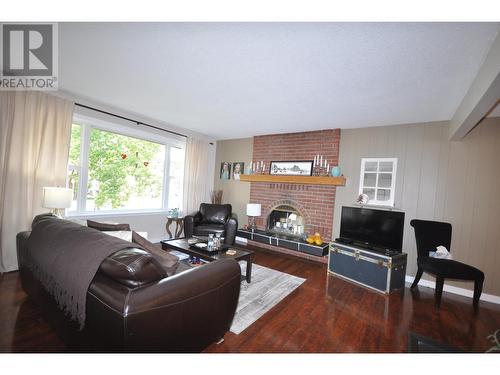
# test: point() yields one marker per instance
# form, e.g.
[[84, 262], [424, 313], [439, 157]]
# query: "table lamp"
[[253, 210], [57, 199]]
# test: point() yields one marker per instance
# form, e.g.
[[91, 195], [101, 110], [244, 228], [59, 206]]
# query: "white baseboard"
[[455, 290]]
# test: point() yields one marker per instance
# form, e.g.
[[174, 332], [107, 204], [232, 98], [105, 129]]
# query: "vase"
[[336, 171]]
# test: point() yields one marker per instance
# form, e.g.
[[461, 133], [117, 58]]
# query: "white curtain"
[[35, 133], [198, 174]]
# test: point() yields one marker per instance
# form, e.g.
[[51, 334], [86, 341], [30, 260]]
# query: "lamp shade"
[[57, 197], [253, 209]]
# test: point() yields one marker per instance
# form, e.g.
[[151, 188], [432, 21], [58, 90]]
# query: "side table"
[[179, 226]]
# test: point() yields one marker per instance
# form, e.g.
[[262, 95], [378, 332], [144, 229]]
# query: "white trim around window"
[[88, 123], [376, 189]]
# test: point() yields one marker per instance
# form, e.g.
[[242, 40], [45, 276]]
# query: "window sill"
[[84, 215]]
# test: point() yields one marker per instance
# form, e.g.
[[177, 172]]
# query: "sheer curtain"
[[198, 175], [35, 133]]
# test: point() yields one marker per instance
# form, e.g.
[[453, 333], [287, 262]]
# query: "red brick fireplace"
[[315, 202]]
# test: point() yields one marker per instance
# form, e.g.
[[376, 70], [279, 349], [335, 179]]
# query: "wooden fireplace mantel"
[[305, 180]]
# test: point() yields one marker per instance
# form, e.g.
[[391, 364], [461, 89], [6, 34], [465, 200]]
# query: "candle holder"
[[321, 166], [258, 168], [320, 171]]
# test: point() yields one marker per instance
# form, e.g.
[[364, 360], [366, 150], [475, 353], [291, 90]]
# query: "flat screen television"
[[377, 229]]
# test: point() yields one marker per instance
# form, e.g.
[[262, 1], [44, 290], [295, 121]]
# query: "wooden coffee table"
[[183, 246]]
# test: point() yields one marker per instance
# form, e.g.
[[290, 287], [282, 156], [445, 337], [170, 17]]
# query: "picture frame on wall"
[[225, 170], [238, 169], [292, 168]]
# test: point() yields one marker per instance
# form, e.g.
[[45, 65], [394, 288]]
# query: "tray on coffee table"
[[183, 245], [201, 244]]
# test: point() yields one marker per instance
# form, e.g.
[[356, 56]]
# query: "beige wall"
[[236, 193], [457, 182]]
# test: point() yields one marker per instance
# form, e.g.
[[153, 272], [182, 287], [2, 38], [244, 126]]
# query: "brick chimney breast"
[[315, 202]]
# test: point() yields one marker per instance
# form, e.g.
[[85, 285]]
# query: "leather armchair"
[[212, 218]]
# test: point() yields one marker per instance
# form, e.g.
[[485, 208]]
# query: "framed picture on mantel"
[[292, 168]]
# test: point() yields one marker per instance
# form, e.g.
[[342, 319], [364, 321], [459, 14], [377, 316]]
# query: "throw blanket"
[[65, 257]]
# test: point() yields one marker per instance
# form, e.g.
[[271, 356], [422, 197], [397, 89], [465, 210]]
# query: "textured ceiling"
[[242, 79]]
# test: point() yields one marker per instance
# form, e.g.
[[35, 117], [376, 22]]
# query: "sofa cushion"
[[132, 267], [206, 229], [215, 213], [168, 261], [107, 226]]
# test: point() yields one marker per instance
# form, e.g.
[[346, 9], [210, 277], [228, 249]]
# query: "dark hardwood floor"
[[325, 314]]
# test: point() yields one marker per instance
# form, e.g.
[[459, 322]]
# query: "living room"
[[250, 187]]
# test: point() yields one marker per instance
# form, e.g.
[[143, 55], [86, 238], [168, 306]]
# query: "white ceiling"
[[237, 80]]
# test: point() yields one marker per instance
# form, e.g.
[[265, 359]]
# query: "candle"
[[321, 161], [328, 167], [263, 168], [314, 160]]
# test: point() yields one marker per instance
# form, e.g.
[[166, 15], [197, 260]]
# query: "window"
[[378, 180], [113, 168]]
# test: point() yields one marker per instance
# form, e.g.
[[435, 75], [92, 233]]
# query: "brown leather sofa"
[[138, 308]]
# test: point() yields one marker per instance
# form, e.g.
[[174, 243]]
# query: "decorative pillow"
[[167, 260], [125, 235], [133, 267], [78, 221], [107, 227]]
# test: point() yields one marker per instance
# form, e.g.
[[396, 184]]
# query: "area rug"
[[267, 289]]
